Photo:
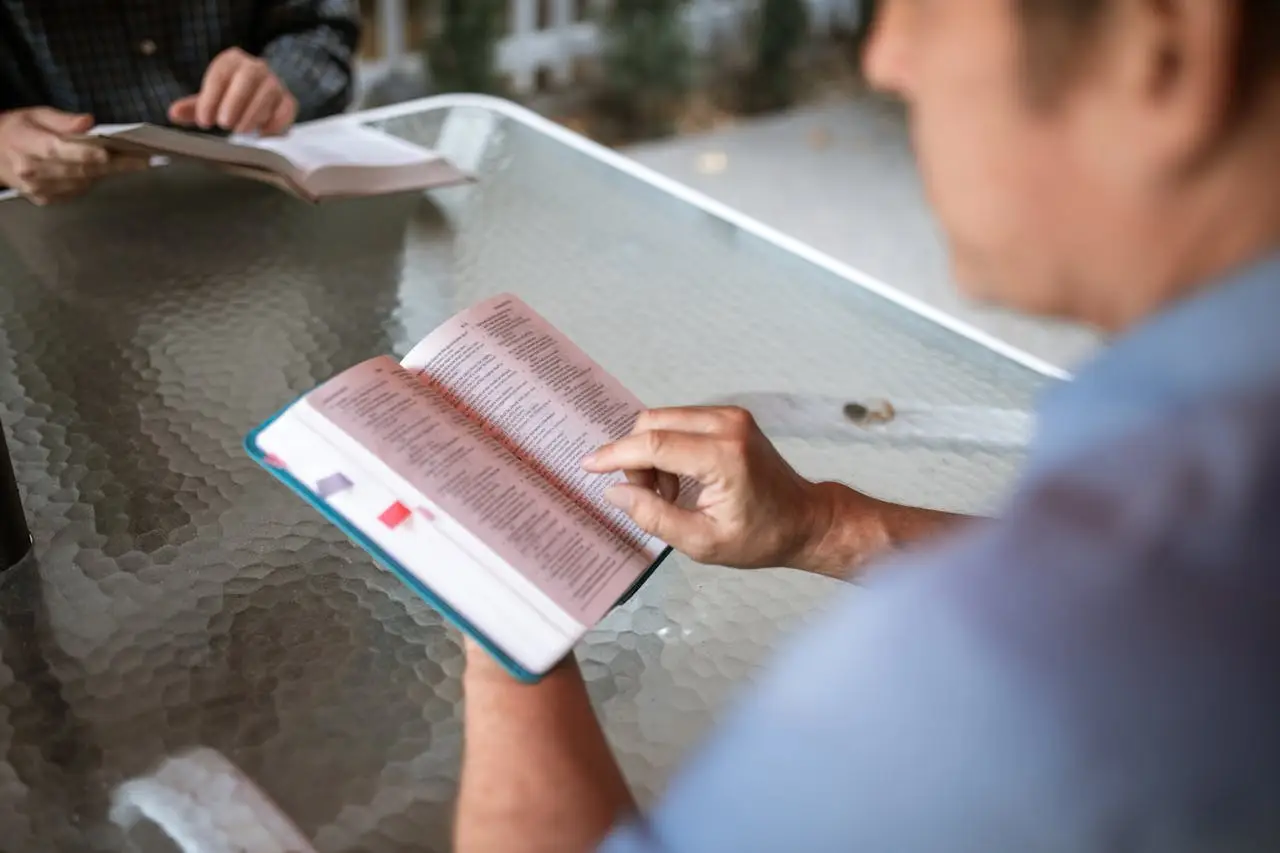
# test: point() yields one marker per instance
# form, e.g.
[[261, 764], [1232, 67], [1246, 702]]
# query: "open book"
[[459, 469], [330, 160]]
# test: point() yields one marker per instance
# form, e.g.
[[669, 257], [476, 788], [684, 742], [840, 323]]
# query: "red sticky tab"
[[395, 515], [275, 461]]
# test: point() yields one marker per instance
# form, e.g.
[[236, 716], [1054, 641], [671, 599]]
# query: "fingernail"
[[619, 496], [589, 461]]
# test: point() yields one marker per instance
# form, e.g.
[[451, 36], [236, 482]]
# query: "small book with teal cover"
[[459, 469]]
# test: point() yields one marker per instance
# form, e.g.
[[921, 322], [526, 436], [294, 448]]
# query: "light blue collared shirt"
[[1099, 670]]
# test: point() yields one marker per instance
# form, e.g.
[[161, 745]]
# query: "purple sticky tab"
[[332, 484]]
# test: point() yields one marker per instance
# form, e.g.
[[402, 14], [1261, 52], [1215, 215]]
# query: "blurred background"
[[619, 70], [757, 103]]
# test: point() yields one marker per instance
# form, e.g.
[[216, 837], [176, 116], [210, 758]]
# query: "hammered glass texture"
[[180, 598]]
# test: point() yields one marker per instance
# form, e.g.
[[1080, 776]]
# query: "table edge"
[[515, 112]]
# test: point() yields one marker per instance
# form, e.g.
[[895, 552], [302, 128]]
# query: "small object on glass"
[[870, 412]]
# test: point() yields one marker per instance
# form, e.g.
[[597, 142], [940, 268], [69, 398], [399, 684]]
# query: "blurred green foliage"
[[781, 30], [647, 65], [461, 56]]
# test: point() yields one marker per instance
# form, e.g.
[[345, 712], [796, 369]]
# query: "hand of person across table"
[[42, 161], [239, 93], [753, 510]]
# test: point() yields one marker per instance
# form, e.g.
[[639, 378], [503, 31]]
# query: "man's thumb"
[[183, 110], [59, 122]]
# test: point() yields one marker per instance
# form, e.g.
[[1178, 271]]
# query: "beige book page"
[[312, 148], [151, 139], [451, 460], [545, 397]]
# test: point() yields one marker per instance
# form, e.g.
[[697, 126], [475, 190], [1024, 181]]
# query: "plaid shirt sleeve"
[[126, 62], [310, 45]]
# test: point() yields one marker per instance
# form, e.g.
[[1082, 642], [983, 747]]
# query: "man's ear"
[[1177, 70]]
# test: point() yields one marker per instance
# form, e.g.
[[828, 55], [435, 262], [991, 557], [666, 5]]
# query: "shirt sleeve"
[[1039, 685], [310, 45]]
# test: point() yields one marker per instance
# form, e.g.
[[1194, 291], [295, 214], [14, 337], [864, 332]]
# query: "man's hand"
[[753, 509], [39, 160], [239, 93]]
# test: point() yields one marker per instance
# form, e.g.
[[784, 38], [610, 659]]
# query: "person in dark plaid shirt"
[[235, 65]]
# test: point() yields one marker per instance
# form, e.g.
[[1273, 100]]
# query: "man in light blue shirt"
[[1099, 668]]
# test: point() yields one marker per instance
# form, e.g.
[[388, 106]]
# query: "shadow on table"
[[130, 289], [45, 737], [150, 325]]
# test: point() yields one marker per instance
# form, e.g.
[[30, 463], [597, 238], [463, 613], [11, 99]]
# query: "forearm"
[[310, 46], [537, 773], [853, 529]]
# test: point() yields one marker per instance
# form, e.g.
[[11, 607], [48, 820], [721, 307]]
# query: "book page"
[[339, 144], [449, 458], [542, 394], [113, 129], [153, 139], [330, 159], [443, 556]]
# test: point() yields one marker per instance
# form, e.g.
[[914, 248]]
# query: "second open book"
[[460, 469], [314, 162]]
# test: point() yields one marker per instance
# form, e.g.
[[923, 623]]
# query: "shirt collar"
[[1223, 340]]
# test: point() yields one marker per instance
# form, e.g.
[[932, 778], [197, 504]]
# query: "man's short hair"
[[1058, 30]]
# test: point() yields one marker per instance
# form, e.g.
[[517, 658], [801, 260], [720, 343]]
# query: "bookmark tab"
[[333, 484], [395, 515], [276, 462], [426, 513]]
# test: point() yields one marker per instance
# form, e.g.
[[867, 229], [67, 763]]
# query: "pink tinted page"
[[539, 391], [454, 462]]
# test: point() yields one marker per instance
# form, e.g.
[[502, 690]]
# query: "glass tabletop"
[[177, 597]]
